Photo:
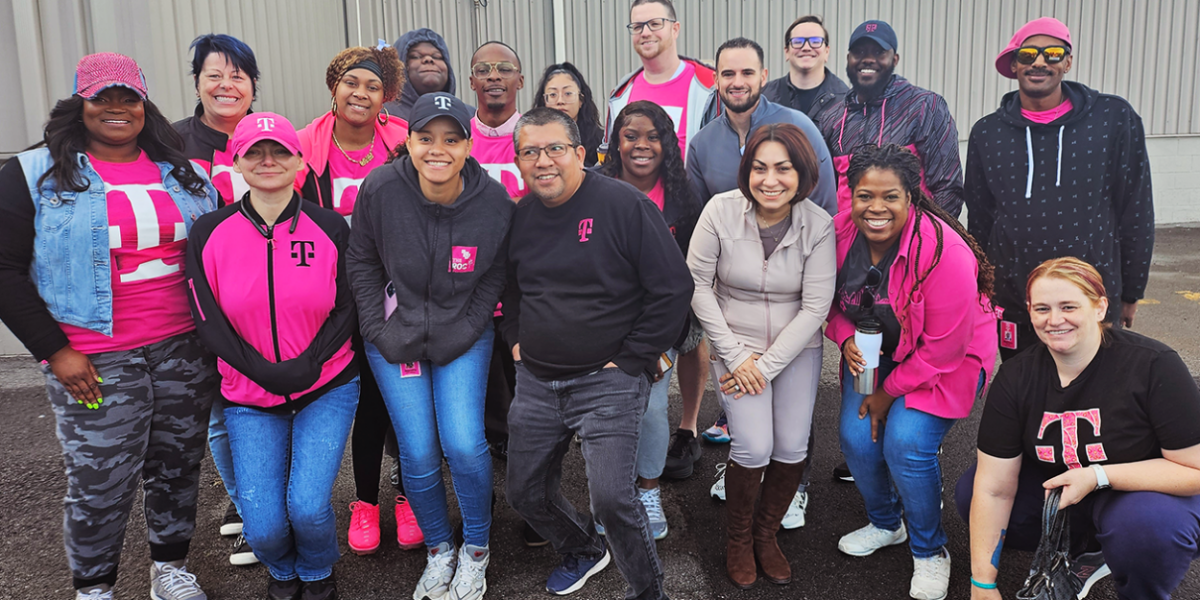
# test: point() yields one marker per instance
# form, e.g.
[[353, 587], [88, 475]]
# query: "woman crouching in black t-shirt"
[[1110, 416]]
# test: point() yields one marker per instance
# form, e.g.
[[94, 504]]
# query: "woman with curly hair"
[[93, 237], [647, 157], [910, 270], [340, 148], [562, 87]]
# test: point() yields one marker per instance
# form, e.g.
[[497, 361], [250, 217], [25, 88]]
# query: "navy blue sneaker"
[[569, 577]]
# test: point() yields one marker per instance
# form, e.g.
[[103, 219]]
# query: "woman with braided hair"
[[906, 264]]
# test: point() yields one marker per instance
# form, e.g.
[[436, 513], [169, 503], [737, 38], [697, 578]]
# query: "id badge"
[[1008, 335], [412, 369]]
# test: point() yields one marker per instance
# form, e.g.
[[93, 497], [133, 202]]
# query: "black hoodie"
[[446, 263], [401, 106], [1078, 186]]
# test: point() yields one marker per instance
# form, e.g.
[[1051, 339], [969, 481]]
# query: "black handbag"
[[1050, 577]]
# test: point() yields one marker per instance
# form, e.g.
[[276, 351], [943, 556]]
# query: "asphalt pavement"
[[33, 565]]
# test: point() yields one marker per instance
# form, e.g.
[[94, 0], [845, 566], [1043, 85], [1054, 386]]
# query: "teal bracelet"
[[983, 586]]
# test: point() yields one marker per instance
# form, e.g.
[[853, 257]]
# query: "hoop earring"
[[384, 117], [333, 106]]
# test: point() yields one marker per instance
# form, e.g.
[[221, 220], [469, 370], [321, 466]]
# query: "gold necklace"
[[364, 161]]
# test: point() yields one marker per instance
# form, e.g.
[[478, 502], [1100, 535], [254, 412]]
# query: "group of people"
[[443, 282]]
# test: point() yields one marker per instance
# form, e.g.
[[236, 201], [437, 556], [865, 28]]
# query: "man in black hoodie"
[[808, 85], [426, 69], [1058, 170]]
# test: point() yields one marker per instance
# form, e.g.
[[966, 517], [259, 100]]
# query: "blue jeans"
[[905, 461], [218, 444], [654, 436], [286, 464], [438, 410]]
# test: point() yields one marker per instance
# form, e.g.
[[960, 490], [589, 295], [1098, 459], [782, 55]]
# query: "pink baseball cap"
[[1043, 26], [256, 127], [98, 72]]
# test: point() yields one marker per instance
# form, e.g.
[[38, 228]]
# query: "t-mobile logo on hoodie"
[[462, 259]]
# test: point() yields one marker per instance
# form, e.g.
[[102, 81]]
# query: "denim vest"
[[70, 248]]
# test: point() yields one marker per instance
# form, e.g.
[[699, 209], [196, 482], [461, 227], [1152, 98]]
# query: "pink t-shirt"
[[672, 96], [1048, 116], [346, 176], [494, 150], [147, 242], [230, 185], [656, 194]]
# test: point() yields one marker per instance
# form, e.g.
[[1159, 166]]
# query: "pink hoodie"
[[947, 332]]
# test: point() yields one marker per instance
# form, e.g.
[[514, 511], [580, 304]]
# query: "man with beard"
[[681, 86], [1058, 170], [597, 290], [496, 78], [884, 108], [808, 85], [714, 153], [426, 69]]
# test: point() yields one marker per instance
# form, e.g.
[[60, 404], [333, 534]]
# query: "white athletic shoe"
[[439, 571], [470, 580], [718, 488], [931, 577], [174, 583], [794, 518], [94, 594], [865, 541]]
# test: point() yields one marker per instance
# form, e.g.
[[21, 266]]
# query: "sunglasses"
[[874, 278], [652, 25], [483, 69], [1027, 55], [816, 42]]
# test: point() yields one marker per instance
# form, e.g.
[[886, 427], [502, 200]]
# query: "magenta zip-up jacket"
[[273, 302]]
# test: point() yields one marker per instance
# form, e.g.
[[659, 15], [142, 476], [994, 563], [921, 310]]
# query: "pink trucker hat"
[[255, 127], [1043, 26], [98, 72]]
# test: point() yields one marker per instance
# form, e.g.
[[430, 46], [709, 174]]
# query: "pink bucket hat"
[[98, 72], [1043, 26], [256, 127]]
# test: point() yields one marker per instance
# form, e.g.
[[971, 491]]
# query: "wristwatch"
[[1101, 478]]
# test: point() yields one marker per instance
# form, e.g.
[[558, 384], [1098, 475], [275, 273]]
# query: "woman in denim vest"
[[93, 234]]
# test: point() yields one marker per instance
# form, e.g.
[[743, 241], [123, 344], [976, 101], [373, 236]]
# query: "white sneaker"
[[94, 594], [174, 583], [794, 518], [439, 571], [652, 500], [865, 541], [718, 488], [470, 580], [931, 577]]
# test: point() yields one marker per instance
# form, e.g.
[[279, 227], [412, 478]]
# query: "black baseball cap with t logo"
[[439, 104]]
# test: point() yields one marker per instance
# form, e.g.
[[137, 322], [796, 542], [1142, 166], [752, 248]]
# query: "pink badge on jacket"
[[462, 259]]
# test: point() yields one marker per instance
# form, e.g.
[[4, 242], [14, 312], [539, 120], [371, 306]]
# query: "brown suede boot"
[[741, 492], [779, 487]]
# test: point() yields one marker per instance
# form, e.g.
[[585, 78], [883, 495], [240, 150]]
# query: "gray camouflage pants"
[[150, 429]]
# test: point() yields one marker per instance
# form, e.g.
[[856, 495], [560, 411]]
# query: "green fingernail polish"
[[99, 401], [99, 380]]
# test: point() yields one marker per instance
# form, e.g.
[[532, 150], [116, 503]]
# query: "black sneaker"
[[1088, 568], [499, 449], [242, 555], [232, 523], [682, 455], [324, 589], [532, 538], [283, 590], [842, 473]]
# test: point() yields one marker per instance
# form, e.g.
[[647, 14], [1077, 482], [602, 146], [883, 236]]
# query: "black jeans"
[[605, 408]]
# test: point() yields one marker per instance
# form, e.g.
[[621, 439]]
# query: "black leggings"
[[371, 435]]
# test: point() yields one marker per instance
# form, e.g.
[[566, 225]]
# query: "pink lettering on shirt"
[[1069, 421], [462, 259], [497, 156], [672, 96], [346, 176]]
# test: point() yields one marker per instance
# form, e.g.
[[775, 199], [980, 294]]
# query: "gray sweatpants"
[[776, 424], [150, 429]]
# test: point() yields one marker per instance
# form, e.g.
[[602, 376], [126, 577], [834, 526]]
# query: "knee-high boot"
[[778, 489], [741, 492]]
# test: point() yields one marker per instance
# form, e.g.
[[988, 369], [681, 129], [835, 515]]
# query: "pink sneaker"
[[408, 534], [364, 527]]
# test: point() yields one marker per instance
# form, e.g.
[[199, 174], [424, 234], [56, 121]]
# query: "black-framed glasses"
[[567, 96], [531, 153], [652, 25], [871, 288], [816, 42], [504, 68], [1027, 55]]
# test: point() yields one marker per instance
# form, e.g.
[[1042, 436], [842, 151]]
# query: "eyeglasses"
[[652, 24], [874, 278], [815, 42], [532, 153], [567, 96], [1027, 55], [483, 69]]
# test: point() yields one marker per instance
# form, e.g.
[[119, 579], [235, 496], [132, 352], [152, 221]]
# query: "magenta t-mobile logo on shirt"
[[462, 259], [585, 227], [1070, 437]]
